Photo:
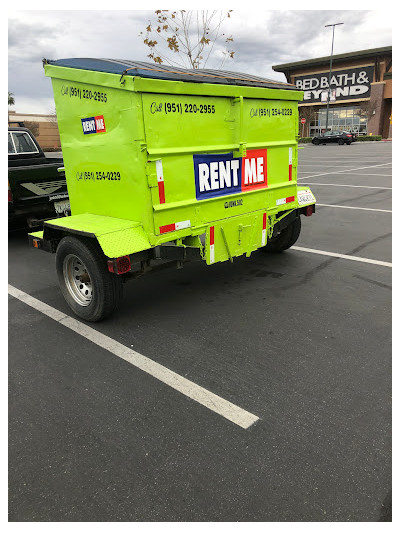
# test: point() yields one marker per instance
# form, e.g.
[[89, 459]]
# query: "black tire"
[[89, 289], [341, 141], [315, 141], [286, 238]]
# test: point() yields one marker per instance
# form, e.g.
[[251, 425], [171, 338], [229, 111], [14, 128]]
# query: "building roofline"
[[335, 58], [19, 113]]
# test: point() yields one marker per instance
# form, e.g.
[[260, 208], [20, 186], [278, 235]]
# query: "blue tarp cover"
[[163, 72]]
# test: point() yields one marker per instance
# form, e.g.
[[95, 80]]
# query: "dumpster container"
[[166, 165]]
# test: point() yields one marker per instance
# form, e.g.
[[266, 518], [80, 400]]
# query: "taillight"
[[349, 135], [121, 265], [10, 197]]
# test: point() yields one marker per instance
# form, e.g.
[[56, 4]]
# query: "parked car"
[[340, 137], [37, 189]]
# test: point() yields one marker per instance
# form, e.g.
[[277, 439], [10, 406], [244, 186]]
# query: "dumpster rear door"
[[179, 129], [211, 158]]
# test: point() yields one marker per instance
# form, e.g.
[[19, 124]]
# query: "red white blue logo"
[[93, 125], [222, 174]]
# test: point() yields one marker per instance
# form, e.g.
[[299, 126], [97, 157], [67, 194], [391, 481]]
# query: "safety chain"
[[271, 224]]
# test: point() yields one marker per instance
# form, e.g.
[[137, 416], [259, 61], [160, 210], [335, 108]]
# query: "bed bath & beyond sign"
[[349, 84]]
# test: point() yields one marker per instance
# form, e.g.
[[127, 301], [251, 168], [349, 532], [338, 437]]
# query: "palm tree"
[[11, 100]]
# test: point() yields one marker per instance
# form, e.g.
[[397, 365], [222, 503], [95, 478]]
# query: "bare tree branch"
[[190, 37]]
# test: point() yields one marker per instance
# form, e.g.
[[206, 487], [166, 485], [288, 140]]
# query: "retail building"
[[361, 92], [43, 127]]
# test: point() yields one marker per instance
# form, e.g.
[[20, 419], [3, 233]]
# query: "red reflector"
[[121, 265], [309, 210], [10, 198]]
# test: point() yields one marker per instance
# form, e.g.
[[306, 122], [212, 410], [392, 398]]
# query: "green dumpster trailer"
[[166, 165]]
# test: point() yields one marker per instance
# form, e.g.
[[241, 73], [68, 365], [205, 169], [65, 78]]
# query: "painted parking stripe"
[[351, 207], [348, 159], [327, 164], [215, 403], [356, 186], [359, 175], [318, 162], [341, 171], [343, 256]]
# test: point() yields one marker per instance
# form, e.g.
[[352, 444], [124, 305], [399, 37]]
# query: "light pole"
[[330, 71]]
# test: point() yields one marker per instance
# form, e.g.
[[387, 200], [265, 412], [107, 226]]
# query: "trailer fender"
[[117, 237]]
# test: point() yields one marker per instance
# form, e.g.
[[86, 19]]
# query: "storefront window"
[[340, 118]]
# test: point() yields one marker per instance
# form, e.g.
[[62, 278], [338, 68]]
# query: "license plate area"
[[305, 197], [63, 206]]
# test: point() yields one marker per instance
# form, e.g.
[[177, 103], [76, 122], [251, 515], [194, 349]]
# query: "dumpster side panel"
[[102, 137]]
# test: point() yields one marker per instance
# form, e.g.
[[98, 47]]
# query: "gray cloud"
[[29, 42], [261, 39]]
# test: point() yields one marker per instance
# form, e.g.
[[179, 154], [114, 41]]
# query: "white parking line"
[[357, 186], [351, 207], [341, 171], [343, 256], [215, 403], [323, 164], [367, 174], [343, 159], [347, 158]]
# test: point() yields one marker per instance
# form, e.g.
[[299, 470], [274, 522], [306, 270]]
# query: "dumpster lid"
[[127, 67]]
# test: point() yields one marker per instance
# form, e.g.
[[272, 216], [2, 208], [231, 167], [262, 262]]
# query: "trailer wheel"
[[286, 238], [89, 289]]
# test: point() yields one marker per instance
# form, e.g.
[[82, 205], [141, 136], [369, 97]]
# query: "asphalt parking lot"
[[298, 343]]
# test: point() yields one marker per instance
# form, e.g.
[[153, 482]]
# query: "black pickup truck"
[[37, 190]]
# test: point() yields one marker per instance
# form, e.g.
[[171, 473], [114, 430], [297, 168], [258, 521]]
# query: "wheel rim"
[[77, 280]]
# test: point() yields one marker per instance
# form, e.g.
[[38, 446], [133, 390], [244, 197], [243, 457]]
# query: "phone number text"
[[98, 175], [168, 107], [85, 94], [266, 112]]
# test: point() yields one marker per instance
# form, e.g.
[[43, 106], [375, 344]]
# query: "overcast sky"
[[262, 38]]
